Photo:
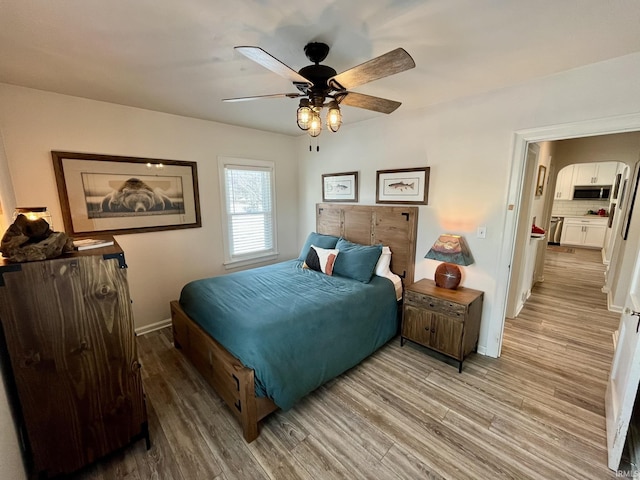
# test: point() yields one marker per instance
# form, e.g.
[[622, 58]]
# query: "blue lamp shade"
[[453, 250]]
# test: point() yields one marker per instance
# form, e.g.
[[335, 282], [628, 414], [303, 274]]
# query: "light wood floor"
[[536, 412]]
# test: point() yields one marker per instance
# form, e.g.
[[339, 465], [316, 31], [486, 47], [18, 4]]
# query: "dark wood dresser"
[[67, 335], [441, 319]]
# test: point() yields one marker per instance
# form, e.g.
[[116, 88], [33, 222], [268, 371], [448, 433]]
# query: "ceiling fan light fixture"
[[304, 114], [334, 117], [315, 124]]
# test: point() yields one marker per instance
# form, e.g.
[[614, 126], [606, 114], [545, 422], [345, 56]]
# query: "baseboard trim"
[[153, 327], [610, 306]]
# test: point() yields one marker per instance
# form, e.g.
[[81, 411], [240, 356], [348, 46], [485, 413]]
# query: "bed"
[[311, 326]]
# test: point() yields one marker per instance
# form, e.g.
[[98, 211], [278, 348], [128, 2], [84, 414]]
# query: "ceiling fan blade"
[[270, 62], [390, 63], [369, 102], [258, 97]]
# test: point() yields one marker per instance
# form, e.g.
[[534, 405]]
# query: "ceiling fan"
[[321, 86]]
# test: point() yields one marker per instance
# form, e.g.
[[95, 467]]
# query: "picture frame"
[[408, 186], [340, 187], [542, 175], [630, 204], [116, 195], [616, 186]]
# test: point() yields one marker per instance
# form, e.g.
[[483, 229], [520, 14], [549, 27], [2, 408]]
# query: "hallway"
[[562, 341]]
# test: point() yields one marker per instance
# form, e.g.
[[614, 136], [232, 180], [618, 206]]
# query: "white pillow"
[[382, 267]]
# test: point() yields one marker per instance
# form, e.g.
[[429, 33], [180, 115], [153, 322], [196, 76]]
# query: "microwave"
[[591, 192]]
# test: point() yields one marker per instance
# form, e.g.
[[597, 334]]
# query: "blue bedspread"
[[295, 327]]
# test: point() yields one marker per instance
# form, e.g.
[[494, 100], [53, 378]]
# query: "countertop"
[[587, 217]]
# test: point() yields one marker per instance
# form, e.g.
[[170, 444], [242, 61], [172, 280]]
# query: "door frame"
[[517, 178]]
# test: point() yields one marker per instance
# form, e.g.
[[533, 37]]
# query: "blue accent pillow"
[[319, 240], [356, 261]]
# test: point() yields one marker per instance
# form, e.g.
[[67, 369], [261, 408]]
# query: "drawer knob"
[[431, 304]]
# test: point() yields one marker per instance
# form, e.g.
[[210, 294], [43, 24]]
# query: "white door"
[[625, 373]]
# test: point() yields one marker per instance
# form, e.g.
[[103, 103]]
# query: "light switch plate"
[[482, 232]]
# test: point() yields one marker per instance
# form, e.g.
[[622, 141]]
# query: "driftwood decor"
[[31, 240]]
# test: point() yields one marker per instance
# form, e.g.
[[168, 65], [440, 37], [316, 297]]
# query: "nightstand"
[[447, 321]]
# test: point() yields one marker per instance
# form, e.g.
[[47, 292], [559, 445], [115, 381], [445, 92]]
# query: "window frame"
[[235, 261]]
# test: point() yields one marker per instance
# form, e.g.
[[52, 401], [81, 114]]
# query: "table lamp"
[[453, 251]]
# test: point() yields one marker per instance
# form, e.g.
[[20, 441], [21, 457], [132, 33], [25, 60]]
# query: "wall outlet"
[[482, 232]]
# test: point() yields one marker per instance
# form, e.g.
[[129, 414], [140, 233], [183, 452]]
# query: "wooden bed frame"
[[369, 225]]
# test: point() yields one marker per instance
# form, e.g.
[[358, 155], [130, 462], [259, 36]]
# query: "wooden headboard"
[[395, 227]]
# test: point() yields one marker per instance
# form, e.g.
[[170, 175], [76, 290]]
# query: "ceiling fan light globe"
[[315, 125], [304, 116], [334, 118]]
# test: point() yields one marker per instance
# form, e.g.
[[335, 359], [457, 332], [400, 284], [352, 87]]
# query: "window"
[[247, 189]]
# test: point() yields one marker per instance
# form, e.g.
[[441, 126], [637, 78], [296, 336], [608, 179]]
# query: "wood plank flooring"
[[536, 412]]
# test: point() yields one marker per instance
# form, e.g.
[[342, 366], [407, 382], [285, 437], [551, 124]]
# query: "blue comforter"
[[297, 328]]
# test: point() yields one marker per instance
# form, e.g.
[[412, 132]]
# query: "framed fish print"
[[409, 186], [340, 187]]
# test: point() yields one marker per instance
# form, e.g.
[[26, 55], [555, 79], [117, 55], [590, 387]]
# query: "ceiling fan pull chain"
[[317, 144]]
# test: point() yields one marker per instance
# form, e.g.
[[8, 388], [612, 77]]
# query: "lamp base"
[[447, 275]]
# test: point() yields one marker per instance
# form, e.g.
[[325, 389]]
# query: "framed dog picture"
[[117, 195]]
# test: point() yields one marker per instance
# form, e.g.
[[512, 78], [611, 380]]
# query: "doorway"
[[518, 230]]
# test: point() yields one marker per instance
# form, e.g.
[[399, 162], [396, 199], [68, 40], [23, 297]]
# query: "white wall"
[[621, 147], [469, 145], [542, 208], [534, 210], [620, 270], [11, 464], [34, 122]]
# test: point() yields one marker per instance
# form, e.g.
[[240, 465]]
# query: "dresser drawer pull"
[[431, 305]]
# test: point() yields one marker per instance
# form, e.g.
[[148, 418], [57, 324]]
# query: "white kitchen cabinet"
[[601, 173], [564, 184], [584, 231]]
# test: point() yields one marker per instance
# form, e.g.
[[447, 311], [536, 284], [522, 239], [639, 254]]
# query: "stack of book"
[[88, 243]]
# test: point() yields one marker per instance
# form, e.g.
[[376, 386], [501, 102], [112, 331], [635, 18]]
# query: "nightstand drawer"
[[436, 305]]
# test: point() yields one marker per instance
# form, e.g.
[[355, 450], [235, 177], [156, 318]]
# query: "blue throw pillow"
[[356, 261], [319, 240]]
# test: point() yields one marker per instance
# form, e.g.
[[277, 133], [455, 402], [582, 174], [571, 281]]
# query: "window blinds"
[[249, 206]]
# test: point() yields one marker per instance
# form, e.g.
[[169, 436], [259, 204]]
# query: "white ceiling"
[[177, 56]]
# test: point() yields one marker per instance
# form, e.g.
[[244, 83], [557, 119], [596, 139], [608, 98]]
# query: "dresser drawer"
[[436, 305]]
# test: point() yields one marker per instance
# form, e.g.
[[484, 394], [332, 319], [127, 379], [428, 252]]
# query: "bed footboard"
[[231, 380]]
